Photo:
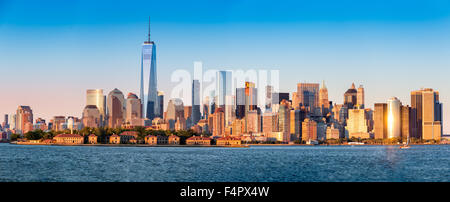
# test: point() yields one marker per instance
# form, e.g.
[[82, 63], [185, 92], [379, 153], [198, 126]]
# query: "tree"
[[34, 135], [14, 136]]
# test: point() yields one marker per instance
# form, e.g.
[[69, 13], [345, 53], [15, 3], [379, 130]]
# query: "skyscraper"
[[91, 116], [24, 115], [394, 118], [406, 111], [426, 114], [284, 120], [309, 130], [350, 97], [133, 110], [218, 122], [96, 97], [5, 123], [307, 95], [360, 97], [223, 87], [357, 124], [161, 103], [116, 108], [380, 121], [324, 104], [431, 116], [195, 102], [149, 101]]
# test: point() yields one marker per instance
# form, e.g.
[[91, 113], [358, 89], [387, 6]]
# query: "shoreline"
[[129, 145], [222, 146]]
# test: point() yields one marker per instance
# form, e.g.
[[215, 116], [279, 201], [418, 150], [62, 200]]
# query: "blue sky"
[[52, 51]]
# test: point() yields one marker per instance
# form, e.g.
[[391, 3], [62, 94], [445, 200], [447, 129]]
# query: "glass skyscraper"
[[223, 86], [148, 89]]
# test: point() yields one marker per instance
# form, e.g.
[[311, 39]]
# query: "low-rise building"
[[228, 141], [198, 140], [151, 139], [114, 139], [68, 139], [92, 139], [174, 140], [128, 136]]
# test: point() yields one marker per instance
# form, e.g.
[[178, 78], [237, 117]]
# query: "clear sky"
[[52, 51]]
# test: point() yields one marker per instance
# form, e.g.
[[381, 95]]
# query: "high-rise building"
[[223, 87], [394, 118], [333, 132], [268, 100], [57, 123], [205, 107], [406, 111], [148, 87], [240, 103], [284, 120], [133, 110], [426, 114], [24, 115], [229, 109], [360, 97], [307, 95], [161, 104], [175, 110], [116, 108], [380, 120], [5, 124], [218, 122], [297, 117], [324, 103], [196, 115], [350, 97], [96, 97], [357, 124], [309, 130], [91, 116], [270, 123]]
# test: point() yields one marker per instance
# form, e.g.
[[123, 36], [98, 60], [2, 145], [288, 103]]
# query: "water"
[[254, 164]]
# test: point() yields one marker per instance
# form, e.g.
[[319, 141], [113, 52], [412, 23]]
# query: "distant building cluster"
[[230, 114]]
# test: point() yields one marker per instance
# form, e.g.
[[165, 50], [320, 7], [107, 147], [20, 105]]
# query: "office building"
[[394, 118], [24, 115], [148, 85], [96, 97], [133, 115], [116, 108], [91, 116], [196, 115]]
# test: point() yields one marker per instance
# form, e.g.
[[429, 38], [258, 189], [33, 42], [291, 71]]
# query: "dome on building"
[[132, 96]]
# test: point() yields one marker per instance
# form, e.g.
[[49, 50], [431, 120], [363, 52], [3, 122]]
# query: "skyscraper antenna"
[[148, 28]]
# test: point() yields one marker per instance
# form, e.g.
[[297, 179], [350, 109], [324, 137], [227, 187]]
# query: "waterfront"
[[213, 164]]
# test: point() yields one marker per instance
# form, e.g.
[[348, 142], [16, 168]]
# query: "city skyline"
[[379, 86]]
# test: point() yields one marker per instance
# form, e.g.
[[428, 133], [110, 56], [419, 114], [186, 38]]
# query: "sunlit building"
[[309, 130], [116, 108], [350, 97], [426, 114], [357, 124], [394, 118], [133, 111], [96, 97], [24, 115], [91, 116], [148, 85]]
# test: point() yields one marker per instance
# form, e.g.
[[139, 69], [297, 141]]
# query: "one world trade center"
[[148, 88]]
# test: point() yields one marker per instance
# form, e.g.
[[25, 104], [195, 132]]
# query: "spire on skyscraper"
[[323, 84], [148, 28]]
